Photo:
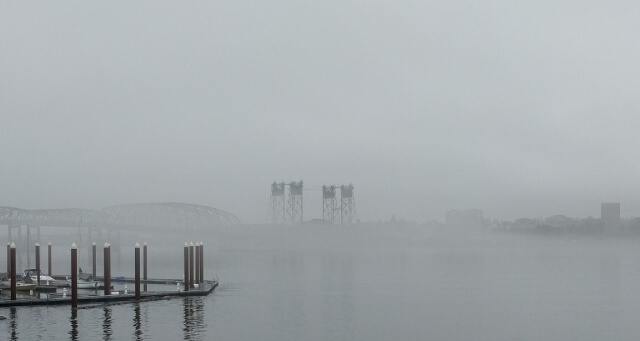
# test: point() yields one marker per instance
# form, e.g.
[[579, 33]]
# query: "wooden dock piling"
[[49, 259], [93, 259], [197, 263], [12, 256], [191, 265], [201, 261], [107, 269], [137, 271], [199, 251], [186, 267], [74, 275], [201, 264], [38, 263], [144, 265]]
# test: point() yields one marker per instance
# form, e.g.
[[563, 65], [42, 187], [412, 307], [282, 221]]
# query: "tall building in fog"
[[610, 214]]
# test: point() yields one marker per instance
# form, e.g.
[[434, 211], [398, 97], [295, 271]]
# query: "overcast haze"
[[520, 109]]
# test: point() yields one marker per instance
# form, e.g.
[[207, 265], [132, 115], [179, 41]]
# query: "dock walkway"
[[205, 289]]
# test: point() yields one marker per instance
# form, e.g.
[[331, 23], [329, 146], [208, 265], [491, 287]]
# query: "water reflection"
[[13, 324], [107, 332], [193, 323], [137, 323], [74, 324]]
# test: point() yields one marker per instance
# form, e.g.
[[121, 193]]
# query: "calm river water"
[[368, 283]]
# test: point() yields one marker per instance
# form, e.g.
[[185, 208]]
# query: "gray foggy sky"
[[518, 108]]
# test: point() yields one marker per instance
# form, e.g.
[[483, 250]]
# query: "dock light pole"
[[49, 258], [144, 265], [186, 267], [38, 263], [191, 251], [74, 275], [107, 269], [137, 271], [12, 256], [93, 258]]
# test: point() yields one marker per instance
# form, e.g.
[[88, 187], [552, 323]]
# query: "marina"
[[205, 289], [33, 288]]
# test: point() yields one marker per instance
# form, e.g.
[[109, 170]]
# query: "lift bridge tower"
[[278, 207], [329, 204], [347, 204], [295, 203]]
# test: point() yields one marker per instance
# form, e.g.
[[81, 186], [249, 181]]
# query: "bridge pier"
[[90, 242], [20, 244], [10, 240], [118, 250], [28, 247], [78, 240], [99, 232], [8, 258]]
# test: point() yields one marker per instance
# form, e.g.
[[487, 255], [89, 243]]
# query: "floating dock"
[[204, 289], [194, 283], [122, 279]]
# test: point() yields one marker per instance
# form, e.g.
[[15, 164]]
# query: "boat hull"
[[85, 285]]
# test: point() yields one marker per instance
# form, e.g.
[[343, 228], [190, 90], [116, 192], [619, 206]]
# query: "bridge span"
[[168, 216], [129, 216]]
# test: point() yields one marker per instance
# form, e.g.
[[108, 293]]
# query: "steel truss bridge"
[[167, 216], [130, 216]]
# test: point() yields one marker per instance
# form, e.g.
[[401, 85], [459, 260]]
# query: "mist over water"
[[520, 109], [372, 282], [520, 116]]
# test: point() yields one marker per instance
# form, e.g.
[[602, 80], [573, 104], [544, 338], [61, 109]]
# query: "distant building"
[[525, 224], [465, 218], [610, 214], [559, 221]]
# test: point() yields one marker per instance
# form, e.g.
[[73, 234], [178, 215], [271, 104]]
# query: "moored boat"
[[20, 286], [84, 283], [31, 276]]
